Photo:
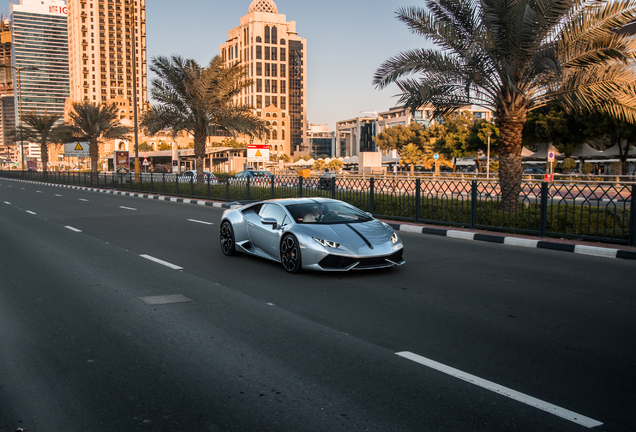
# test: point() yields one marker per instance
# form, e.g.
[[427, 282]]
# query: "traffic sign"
[[435, 156], [551, 156], [145, 162]]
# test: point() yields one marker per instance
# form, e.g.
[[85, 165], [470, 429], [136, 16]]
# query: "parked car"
[[533, 171], [254, 176], [312, 234], [191, 176]]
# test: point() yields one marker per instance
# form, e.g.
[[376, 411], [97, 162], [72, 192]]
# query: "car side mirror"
[[270, 221]]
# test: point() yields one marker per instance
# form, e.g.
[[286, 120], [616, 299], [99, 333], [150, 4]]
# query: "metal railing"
[[597, 211]]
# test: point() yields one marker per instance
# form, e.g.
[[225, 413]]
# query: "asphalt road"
[[257, 349]]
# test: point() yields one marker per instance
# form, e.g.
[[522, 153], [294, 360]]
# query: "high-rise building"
[[7, 107], [40, 55], [275, 58], [107, 51]]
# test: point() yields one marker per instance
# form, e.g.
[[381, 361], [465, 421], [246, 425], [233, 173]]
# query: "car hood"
[[354, 234]]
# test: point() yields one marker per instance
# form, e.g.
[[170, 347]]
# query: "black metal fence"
[[600, 211]]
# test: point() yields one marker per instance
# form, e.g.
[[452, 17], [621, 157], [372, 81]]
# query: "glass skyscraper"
[[40, 51]]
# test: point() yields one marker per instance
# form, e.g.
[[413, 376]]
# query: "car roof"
[[288, 201]]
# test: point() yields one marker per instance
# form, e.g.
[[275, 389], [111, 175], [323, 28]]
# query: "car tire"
[[290, 254], [226, 237]]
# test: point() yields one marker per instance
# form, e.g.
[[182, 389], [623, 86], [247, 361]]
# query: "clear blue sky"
[[346, 42]]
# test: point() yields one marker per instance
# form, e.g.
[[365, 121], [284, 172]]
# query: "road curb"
[[597, 251]]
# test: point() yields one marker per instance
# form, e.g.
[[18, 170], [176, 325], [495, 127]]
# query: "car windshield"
[[260, 173], [327, 213]]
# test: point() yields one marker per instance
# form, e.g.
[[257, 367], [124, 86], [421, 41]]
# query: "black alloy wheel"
[[290, 254], [227, 239]]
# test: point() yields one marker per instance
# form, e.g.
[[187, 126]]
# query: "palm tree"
[[513, 57], [41, 129], [197, 99], [91, 123]]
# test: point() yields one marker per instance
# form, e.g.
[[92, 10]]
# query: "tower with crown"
[[275, 58]]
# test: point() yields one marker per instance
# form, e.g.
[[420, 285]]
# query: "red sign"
[[548, 178], [122, 162]]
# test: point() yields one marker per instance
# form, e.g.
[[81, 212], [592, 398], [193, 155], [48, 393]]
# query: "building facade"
[[40, 52], [424, 116], [7, 107], [275, 59], [107, 54], [355, 136]]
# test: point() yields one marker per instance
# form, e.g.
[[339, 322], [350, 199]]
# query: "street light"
[[18, 69], [488, 157], [134, 71]]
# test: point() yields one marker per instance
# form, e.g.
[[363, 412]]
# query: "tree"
[[91, 123], [319, 165], [197, 99], [411, 155], [41, 129], [513, 57], [335, 165], [619, 133], [162, 146], [144, 146]]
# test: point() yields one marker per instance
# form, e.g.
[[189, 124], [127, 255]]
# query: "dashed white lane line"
[[73, 229], [165, 263], [82, 199], [58, 195], [7, 202], [504, 391], [31, 212], [38, 191], [201, 222], [128, 208]]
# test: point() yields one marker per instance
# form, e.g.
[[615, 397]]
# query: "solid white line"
[[73, 229], [127, 208], [201, 222], [30, 212], [512, 394], [158, 261]]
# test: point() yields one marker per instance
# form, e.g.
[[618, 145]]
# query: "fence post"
[[209, 187], [227, 188], [273, 180], [248, 188], [543, 219], [333, 187], [417, 200], [300, 186], [371, 194], [473, 204], [632, 217]]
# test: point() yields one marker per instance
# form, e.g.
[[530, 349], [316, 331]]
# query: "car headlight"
[[394, 238], [327, 243]]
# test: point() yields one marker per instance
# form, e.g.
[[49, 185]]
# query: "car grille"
[[341, 262]]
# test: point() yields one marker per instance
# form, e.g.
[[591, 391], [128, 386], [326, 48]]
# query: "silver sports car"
[[311, 233]]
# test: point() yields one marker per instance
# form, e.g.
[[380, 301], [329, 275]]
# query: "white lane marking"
[[7, 202], [73, 229], [504, 391], [128, 208], [30, 212], [158, 261], [82, 199], [58, 195], [39, 191], [201, 222]]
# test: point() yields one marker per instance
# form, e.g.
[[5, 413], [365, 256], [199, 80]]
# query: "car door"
[[267, 237]]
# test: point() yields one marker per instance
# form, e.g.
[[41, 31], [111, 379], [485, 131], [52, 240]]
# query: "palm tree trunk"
[[93, 149], [199, 155], [44, 154], [510, 169]]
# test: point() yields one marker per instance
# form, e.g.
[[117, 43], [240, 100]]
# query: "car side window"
[[273, 211]]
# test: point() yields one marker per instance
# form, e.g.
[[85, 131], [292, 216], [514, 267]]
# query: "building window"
[[274, 35], [267, 53], [259, 52], [274, 69], [267, 70], [274, 51], [267, 86], [283, 106], [274, 86], [283, 71], [267, 38], [283, 54], [282, 41], [259, 85], [283, 86], [259, 68]]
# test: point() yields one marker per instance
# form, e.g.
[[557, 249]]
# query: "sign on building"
[[76, 149], [122, 162]]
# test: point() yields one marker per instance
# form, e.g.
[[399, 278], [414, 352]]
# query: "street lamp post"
[[134, 88], [488, 157], [18, 69]]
